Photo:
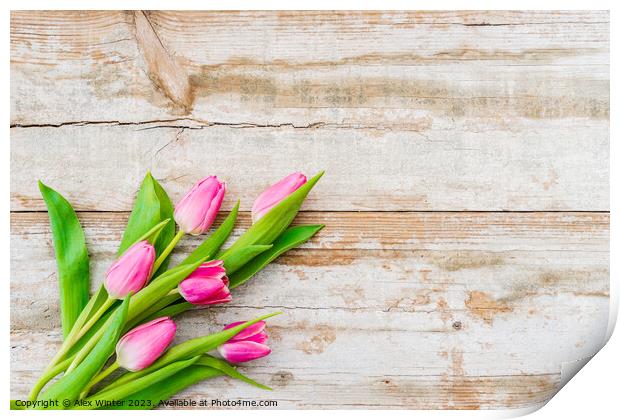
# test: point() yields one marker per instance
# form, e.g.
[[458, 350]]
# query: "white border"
[[593, 393], [313, 5]]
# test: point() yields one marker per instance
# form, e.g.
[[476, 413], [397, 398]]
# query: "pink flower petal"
[[276, 193], [247, 333], [243, 351], [141, 346], [200, 291], [131, 271], [196, 211], [208, 272]]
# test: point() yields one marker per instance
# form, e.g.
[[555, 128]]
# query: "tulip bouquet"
[[116, 350]]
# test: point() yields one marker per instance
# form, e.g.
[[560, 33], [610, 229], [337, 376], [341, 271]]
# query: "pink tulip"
[[196, 212], [276, 193], [207, 285], [247, 345], [140, 347], [131, 271]]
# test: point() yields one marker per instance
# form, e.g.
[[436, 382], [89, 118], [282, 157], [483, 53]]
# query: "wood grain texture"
[[482, 307], [545, 167], [465, 256], [297, 68], [299, 385]]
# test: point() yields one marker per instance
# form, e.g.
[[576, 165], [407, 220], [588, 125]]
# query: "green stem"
[[170, 311], [165, 301], [77, 359], [160, 260], [74, 336], [122, 391], [92, 320], [69, 341], [99, 378], [49, 373], [65, 346]]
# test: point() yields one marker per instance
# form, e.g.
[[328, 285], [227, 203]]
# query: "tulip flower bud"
[[276, 193], [140, 347], [196, 212], [131, 271], [207, 285], [248, 345]]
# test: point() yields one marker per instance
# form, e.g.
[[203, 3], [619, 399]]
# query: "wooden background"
[[466, 198]]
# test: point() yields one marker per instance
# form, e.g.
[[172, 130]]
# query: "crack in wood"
[[191, 124]]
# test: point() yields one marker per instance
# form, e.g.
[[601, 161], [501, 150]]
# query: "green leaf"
[[170, 311], [229, 370], [71, 256], [162, 303], [136, 385], [145, 214], [92, 307], [15, 406], [166, 211], [70, 385], [47, 376], [149, 398], [205, 368], [93, 330], [152, 218], [72, 342], [290, 238], [100, 296], [234, 259], [154, 233], [276, 220], [190, 348], [211, 245]]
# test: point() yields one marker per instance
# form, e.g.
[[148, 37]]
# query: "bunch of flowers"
[[117, 342]]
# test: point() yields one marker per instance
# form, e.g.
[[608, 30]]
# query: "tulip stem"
[[90, 344], [114, 366], [160, 260], [57, 364], [145, 316], [92, 320], [47, 376]]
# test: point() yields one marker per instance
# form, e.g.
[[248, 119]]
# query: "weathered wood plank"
[[561, 165], [452, 231], [465, 319], [300, 387], [307, 68]]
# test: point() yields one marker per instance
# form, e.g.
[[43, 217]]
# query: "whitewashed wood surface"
[[466, 251]]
